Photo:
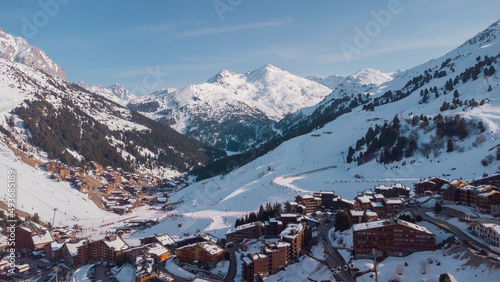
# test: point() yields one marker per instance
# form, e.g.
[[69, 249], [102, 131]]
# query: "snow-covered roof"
[[495, 227], [157, 249], [208, 246], [247, 260], [73, 247], [243, 227], [487, 194], [42, 239], [292, 230], [56, 246], [256, 256], [360, 213], [363, 199], [394, 201], [164, 239], [377, 204], [388, 222], [116, 244]]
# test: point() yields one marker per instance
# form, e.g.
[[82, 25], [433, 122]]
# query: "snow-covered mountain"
[[115, 92], [54, 119], [233, 111], [331, 81], [17, 49], [322, 152], [362, 82]]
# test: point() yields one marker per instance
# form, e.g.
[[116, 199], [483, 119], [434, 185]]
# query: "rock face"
[[16, 49]]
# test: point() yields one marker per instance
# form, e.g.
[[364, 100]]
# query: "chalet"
[[430, 186], [157, 251], [362, 202], [107, 188], [98, 169], [493, 179], [392, 237], [21, 268], [273, 258], [327, 199], [291, 207], [397, 190], [163, 239], [379, 208], [488, 231], [200, 253], [339, 203], [273, 228], [54, 249], [145, 269], [307, 204], [188, 241], [393, 205], [290, 218], [298, 235], [77, 171], [80, 184], [58, 168], [255, 264], [31, 236], [450, 191], [142, 222], [70, 251], [111, 248], [488, 202], [245, 231], [357, 216]]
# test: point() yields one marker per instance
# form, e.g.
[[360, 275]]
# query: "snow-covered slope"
[[17, 49], [214, 204], [115, 92], [331, 81], [59, 120], [232, 107], [361, 82]]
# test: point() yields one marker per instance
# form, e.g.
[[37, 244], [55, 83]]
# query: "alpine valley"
[[226, 146]]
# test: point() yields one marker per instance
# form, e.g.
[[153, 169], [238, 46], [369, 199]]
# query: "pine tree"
[[365, 217], [449, 147]]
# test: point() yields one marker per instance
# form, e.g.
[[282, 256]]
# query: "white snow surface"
[[305, 269], [268, 91], [115, 92]]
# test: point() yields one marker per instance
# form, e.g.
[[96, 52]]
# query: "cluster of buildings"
[[62, 243], [283, 241], [380, 202], [480, 194], [121, 191]]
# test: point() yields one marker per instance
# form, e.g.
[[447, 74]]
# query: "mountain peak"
[[115, 92], [486, 36], [370, 76], [221, 76], [17, 49]]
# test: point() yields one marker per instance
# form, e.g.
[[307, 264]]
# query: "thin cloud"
[[227, 29], [153, 28]]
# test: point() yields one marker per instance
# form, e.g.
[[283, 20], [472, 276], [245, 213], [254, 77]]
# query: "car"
[[477, 248], [230, 245], [495, 257]]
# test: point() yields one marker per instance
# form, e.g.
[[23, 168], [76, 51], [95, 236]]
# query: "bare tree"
[[399, 269], [423, 266]]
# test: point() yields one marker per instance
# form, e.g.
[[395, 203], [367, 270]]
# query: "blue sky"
[[147, 45]]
